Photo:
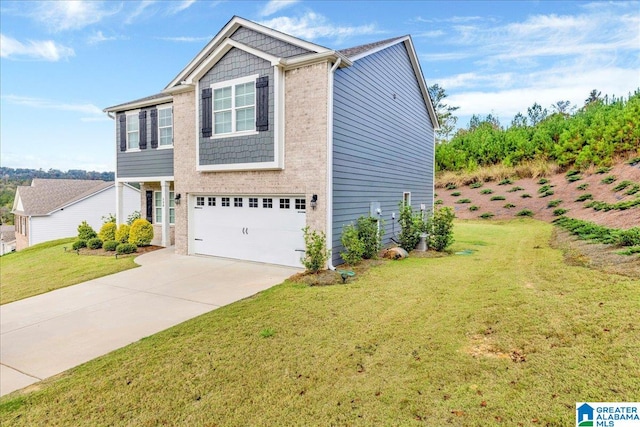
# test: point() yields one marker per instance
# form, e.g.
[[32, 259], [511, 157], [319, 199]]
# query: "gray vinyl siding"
[[246, 149], [148, 162], [383, 141], [267, 44]]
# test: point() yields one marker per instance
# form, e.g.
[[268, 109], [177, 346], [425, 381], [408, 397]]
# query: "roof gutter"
[[329, 196], [302, 60]]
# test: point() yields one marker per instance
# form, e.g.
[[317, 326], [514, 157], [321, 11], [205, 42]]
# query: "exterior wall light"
[[314, 201], [177, 198]]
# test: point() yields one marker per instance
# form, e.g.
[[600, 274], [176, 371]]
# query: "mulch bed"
[[102, 252]]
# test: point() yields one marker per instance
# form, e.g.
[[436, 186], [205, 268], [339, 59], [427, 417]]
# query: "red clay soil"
[[563, 190]]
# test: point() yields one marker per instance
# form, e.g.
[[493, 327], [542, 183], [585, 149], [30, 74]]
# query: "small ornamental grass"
[[603, 169], [455, 194], [509, 206], [514, 189], [473, 208], [554, 203], [559, 211], [464, 201], [584, 197], [476, 184], [486, 191], [583, 186], [506, 181], [495, 198], [608, 180], [525, 195], [543, 181]]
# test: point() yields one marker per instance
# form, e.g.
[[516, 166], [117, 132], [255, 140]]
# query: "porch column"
[[166, 228], [119, 203]]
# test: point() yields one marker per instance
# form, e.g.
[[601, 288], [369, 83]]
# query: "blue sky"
[[62, 62]]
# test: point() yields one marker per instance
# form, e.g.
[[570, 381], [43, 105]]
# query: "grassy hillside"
[[509, 335]]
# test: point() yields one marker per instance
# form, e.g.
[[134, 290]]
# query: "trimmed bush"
[[509, 206], [525, 212], [559, 211], [486, 191], [554, 203], [353, 245], [525, 195], [602, 170], [543, 181], [584, 197], [574, 178], [110, 245], [473, 208], [126, 248], [476, 184], [456, 193], [78, 244], [514, 189], [583, 187], [108, 231], [411, 225], [630, 237], [440, 229], [451, 186], [370, 236], [141, 233], [547, 193], [494, 198], [94, 243], [608, 180], [506, 181], [438, 202], [122, 233], [487, 215], [464, 201], [85, 231]]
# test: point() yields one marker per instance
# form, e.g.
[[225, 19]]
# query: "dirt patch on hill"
[[567, 192]]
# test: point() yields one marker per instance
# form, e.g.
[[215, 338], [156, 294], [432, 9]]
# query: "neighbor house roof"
[[357, 51], [140, 103], [45, 196], [7, 233]]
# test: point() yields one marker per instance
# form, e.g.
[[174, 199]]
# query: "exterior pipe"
[[329, 195]]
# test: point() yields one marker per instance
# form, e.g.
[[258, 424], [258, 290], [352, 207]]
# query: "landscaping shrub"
[[630, 237], [622, 185], [543, 181], [316, 253], [509, 206], [94, 243], [486, 191], [108, 231], [78, 244], [450, 186], [131, 218], [476, 184], [354, 247], [634, 161], [602, 170], [583, 187], [525, 212], [122, 233], [554, 203], [110, 245], [411, 225], [141, 233], [604, 206], [525, 195], [473, 208], [456, 193], [586, 230], [487, 215], [544, 189], [572, 172], [438, 202], [126, 248], [547, 193], [109, 218], [514, 189], [633, 190], [440, 228], [464, 201], [559, 211], [370, 235], [574, 178], [494, 198], [506, 181], [85, 231], [584, 197], [609, 179]]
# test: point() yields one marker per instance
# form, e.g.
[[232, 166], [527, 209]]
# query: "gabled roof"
[[7, 233], [366, 49], [140, 103], [45, 196]]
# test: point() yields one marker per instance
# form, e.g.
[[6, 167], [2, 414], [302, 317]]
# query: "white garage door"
[[256, 228]]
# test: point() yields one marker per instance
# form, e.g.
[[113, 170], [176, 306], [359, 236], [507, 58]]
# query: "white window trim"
[[159, 222], [232, 84], [406, 197], [165, 107], [134, 114]]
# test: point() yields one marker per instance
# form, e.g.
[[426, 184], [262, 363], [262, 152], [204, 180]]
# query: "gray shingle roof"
[[357, 50], [7, 233], [44, 196], [137, 101]]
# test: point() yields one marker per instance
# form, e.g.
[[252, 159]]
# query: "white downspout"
[[329, 232]]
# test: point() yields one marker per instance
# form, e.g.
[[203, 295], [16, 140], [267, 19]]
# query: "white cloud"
[[274, 6], [314, 26], [187, 39], [47, 104], [42, 50], [99, 37], [72, 14], [179, 7], [142, 6]]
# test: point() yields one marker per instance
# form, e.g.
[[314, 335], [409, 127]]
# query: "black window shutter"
[[262, 103], [207, 111], [154, 127], [142, 117], [149, 205], [123, 132]]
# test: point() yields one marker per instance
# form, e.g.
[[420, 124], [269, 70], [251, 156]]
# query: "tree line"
[[605, 127]]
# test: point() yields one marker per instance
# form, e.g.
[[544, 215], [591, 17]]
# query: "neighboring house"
[[7, 239], [262, 134], [51, 209]]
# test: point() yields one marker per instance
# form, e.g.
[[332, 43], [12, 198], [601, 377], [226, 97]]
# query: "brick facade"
[[305, 153]]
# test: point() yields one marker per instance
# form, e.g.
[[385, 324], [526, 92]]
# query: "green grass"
[[509, 332], [45, 267]]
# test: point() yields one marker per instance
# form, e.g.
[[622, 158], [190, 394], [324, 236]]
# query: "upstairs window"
[[165, 126], [234, 107], [133, 131]]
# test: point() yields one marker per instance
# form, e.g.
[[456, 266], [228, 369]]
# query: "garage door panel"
[[270, 235]]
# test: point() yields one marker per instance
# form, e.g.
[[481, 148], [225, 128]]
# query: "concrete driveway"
[[47, 334]]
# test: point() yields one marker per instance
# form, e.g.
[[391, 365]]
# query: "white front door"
[[255, 228]]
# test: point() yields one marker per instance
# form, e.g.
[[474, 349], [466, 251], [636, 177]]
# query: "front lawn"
[[45, 267], [503, 334]]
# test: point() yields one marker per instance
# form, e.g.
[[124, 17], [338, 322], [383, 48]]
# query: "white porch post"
[[119, 203], [166, 228]]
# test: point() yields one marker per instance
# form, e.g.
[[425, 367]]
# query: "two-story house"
[[263, 133]]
